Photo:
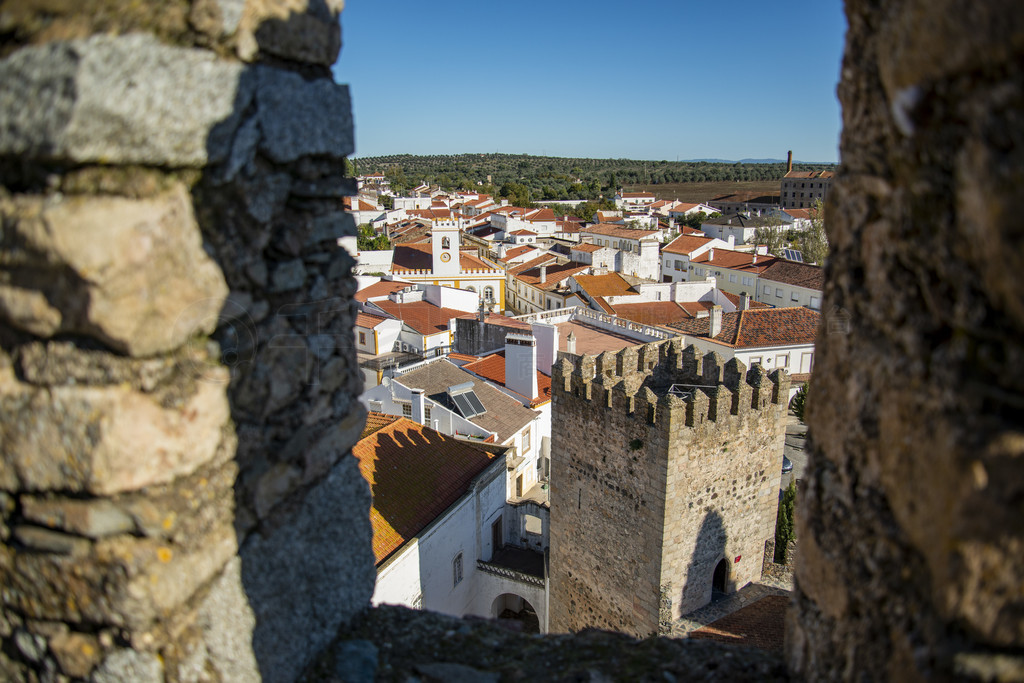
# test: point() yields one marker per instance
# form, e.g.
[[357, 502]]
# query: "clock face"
[[446, 257]]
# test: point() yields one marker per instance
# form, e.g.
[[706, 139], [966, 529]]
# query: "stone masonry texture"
[[178, 499], [910, 526], [646, 507]]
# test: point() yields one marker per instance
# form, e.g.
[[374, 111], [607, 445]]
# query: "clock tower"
[[444, 242]]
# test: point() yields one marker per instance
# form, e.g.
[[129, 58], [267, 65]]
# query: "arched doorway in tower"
[[720, 579], [514, 608]]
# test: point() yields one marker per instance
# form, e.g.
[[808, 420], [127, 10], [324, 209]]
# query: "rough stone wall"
[[723, 486], [177, 498], [910, 526], [643, 508]]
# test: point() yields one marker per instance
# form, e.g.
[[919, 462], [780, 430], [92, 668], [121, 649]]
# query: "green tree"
[[370, 240], [784, 528], [813, 241], [386, 201], [772, 235], [799, 403]]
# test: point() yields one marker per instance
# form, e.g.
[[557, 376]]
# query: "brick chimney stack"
[[789, 162]]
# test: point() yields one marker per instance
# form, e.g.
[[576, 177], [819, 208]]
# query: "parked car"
[[787, 465]]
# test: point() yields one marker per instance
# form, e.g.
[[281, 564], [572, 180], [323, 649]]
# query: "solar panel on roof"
[[793, 255], [478, 407]]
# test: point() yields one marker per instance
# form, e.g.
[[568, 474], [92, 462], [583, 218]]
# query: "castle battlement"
[[662, 380]]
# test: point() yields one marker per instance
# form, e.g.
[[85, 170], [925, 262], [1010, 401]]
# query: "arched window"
[[489, 293], [446, 243]]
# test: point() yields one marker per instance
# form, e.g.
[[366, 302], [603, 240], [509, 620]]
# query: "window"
[[815, 302], [426, 415], [732, 277], [755, 360], [489, 293], [748, 280], [533, 524], [457, 570], [782, 360], [679, 265], [794, 296], [406, 410], [767, 290], [446, 243], [778, 292], [526, 441], [362, 337]]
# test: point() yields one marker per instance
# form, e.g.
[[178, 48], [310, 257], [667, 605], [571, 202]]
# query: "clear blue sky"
[[642, 79]]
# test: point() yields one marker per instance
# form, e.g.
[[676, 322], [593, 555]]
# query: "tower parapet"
[[665, 469], [727, 388]]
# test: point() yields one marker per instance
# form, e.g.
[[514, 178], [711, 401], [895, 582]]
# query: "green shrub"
[[799, 402], [784, 530]]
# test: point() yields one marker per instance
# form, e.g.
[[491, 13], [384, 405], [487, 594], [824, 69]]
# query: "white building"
[[444, 525], [677, 254]]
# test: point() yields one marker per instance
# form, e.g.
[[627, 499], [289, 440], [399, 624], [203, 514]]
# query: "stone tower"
[[665, 472]]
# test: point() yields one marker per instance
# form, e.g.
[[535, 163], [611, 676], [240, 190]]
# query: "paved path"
[[717, 609]]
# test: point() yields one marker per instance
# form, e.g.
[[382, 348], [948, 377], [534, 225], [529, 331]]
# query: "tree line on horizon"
[[533, 179]]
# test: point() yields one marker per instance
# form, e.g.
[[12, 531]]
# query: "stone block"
[[226, 621], [131, 273], [76, 653], [92, 518], [121, 100], [302, 118], [125, 666], [297, 30], [105, 440], [299, 598]]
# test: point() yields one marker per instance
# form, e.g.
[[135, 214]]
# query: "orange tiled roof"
[[523, 233], [382, 288], [541, 215], [734, 260], [367, 321], [422, 316], [794, 273], [686, 244], [588, 248], [376, 421], [463, 356], [420, 257], [529, 272], [658, 312], [492, 368], [735, 298], [758, 327], [636, 195], [517, 251], [612, 284], [415, 474], [622, 232]]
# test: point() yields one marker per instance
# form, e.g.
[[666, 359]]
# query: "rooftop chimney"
[[417, 406], [715, 321], [789, 162], [543, 274], [711, 254], [521, 364], [744, 301], [570, 343]]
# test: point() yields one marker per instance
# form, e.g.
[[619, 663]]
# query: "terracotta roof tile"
[[686, 244], [734, 260], [619, 231], [529, 272], [587, 248], [492, 368], [758, 327], [409, 257], [658, 312], [794, 273], [368, 321], [422, 316], [612, 284], [502, 320], [382, 288], [415, 474], [760, 624]]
